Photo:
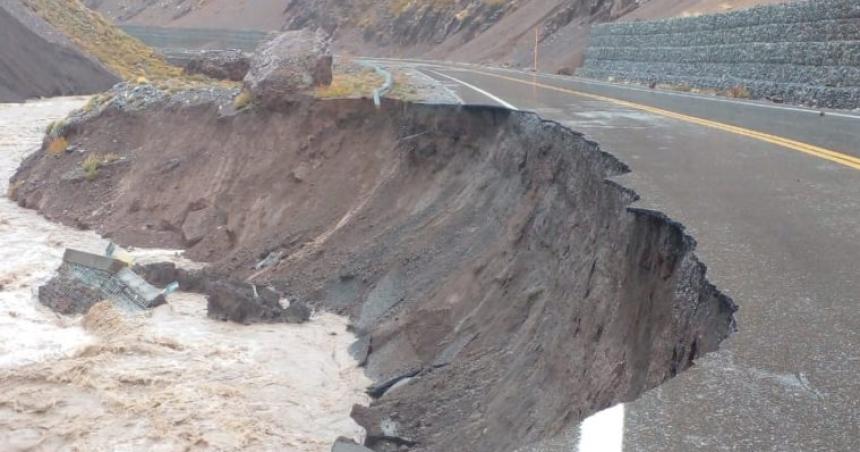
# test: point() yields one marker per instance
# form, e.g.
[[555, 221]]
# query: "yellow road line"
[[826, 154]]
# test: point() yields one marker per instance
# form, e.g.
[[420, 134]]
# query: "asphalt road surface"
[[772, 194]]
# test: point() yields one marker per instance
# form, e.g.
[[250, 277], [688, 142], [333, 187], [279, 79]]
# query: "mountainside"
[[495, 31], [37, 61]]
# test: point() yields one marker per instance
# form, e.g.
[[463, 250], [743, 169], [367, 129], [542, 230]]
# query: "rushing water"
[[166, 380]]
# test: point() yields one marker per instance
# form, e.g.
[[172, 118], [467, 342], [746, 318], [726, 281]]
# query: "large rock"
[[220, 64], [291, 63], [242, 303]]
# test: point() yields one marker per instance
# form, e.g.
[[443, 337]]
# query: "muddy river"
[[166, 380]]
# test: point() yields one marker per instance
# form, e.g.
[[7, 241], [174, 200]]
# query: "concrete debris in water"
[[85, 279]]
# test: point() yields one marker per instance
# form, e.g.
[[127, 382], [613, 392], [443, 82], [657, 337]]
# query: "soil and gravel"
[[501, 287]]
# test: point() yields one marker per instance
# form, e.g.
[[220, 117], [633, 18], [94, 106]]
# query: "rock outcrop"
[[292, 63], [220, 64], [229, 300], [243, 303]]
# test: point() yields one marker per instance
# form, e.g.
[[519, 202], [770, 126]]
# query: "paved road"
[[772, 193]]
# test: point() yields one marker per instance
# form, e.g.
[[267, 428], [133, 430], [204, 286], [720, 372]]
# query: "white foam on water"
[[31, 247]]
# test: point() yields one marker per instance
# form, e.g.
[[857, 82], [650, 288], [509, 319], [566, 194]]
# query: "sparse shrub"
[[681, 87], [354, 84], [92, 104], [91, 166], [50, 129], [97, 101], [109, 158], [55, 128], [243, 100], [403, 88], [94, 162], [58, 145], [13, 189], [739, 92]]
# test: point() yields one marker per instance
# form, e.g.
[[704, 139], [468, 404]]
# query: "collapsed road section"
[[501, 285], [85, 279]]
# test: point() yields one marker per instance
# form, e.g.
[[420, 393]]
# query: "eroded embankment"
[[166, 380], [506, 289]]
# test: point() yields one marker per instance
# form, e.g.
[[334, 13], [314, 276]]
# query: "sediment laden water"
[[166, 380]]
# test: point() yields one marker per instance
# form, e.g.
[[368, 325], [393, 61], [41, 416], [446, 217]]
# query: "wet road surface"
[[779, 228]]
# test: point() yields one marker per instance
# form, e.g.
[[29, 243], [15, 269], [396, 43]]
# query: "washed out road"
[[772, 195]]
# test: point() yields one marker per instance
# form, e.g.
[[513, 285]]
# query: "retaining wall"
[[804, 52]]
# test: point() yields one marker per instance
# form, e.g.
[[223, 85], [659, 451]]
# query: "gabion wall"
[[804, 52]]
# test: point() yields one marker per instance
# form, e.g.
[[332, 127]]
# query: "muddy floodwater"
[[166, 380]]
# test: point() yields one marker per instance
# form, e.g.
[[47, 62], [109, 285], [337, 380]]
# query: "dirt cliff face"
[[504, 288]]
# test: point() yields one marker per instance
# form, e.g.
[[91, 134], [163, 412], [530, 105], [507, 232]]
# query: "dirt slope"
[[468, 30], [35, 61], [505, 289]]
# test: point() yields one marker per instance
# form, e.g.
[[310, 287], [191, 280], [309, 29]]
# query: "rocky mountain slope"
[[37, 61], [470, 30], [60, 47]]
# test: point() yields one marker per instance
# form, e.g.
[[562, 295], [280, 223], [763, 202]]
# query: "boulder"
[[198, 224], [243, 303], [292, 63], [220, 64]]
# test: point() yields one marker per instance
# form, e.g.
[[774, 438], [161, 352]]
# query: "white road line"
[[603, 432], [475, 88], [573, 79]]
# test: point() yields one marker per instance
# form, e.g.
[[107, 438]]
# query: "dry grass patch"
[[55, 127], [351, 85], [94, 162], [243, 100], [13, 188], [58, 146], [738, 92], [403, 88]]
